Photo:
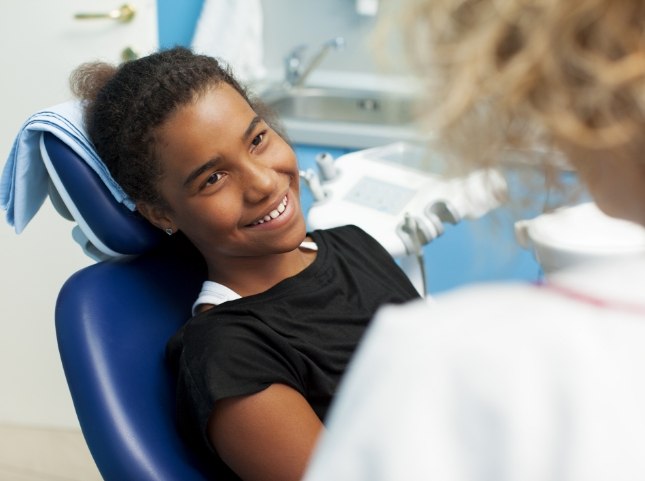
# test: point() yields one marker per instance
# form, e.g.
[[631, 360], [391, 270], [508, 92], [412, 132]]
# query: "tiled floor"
[[33, 454]]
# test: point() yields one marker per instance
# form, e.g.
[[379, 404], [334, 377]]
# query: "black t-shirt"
[[301, 332]]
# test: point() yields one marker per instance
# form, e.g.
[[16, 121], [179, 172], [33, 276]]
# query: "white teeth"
[[274, 213]]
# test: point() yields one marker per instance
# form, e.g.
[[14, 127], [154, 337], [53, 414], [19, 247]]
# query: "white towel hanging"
[[231, 30]]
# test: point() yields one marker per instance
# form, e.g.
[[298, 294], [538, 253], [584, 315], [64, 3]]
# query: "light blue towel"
[[24, 181]]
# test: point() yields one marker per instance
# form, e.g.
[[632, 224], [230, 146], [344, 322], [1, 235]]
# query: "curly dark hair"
[[125, 105]]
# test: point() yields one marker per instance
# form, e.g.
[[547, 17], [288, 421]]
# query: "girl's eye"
[[257, 140], [213, 179]]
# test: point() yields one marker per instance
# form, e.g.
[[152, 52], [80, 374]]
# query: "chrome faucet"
[[295, 72]]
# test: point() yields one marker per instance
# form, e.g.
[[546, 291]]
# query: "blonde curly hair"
[[510, 73]]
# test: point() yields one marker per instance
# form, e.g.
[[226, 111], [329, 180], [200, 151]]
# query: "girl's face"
[[230, 181]]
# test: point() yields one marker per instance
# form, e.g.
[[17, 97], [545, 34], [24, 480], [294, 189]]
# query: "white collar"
[[216, 294]]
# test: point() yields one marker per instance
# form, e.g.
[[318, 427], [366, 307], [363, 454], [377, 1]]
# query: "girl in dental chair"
[[282, 310]]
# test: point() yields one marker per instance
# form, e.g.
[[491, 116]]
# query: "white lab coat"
[[499, 382]]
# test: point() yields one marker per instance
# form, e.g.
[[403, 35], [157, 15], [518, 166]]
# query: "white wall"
[[288, 23], [42, 44], [35, 265]]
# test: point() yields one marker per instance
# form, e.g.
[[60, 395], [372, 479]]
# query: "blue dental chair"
[[113, 320]]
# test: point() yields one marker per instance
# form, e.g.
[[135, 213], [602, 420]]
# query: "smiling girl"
[[282, 310]]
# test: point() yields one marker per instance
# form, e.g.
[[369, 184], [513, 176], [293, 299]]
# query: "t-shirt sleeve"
[[221, 359]]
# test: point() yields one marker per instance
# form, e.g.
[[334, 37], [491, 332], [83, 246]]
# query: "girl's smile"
[[274, 214]]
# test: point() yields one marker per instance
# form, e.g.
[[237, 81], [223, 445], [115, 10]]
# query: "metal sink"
[[353, 118], [317, 104]]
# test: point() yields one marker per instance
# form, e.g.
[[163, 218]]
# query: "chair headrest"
[[106, 228]]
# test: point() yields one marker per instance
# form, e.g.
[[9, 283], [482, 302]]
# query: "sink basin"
[[343, 117], [341, 105]]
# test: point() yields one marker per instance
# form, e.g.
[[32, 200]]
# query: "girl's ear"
[[156, 215]]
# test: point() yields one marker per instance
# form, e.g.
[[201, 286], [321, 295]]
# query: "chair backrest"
[[80, 195], [113, 320]]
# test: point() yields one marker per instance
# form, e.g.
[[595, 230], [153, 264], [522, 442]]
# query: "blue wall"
[[176, 21]]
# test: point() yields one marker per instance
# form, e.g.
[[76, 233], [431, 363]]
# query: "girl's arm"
[[266, 436]]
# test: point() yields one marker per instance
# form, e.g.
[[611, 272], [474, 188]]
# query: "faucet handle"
[[296, 52], [293, 63], [295, 73], [337, 43]]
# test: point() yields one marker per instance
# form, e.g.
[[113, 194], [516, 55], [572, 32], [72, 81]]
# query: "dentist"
[[515, 382]]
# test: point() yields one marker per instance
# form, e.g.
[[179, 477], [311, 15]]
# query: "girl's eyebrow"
[[249, 130], [200, 170]]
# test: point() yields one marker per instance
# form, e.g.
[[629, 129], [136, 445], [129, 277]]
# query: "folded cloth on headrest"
[[24, 181]]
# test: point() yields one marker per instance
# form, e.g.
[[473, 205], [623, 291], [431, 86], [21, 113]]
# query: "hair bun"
[[88, 79]]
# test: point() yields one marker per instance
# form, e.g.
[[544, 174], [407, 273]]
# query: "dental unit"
[[385, 191]]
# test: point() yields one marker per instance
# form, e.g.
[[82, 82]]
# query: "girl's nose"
[[259, 181]]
